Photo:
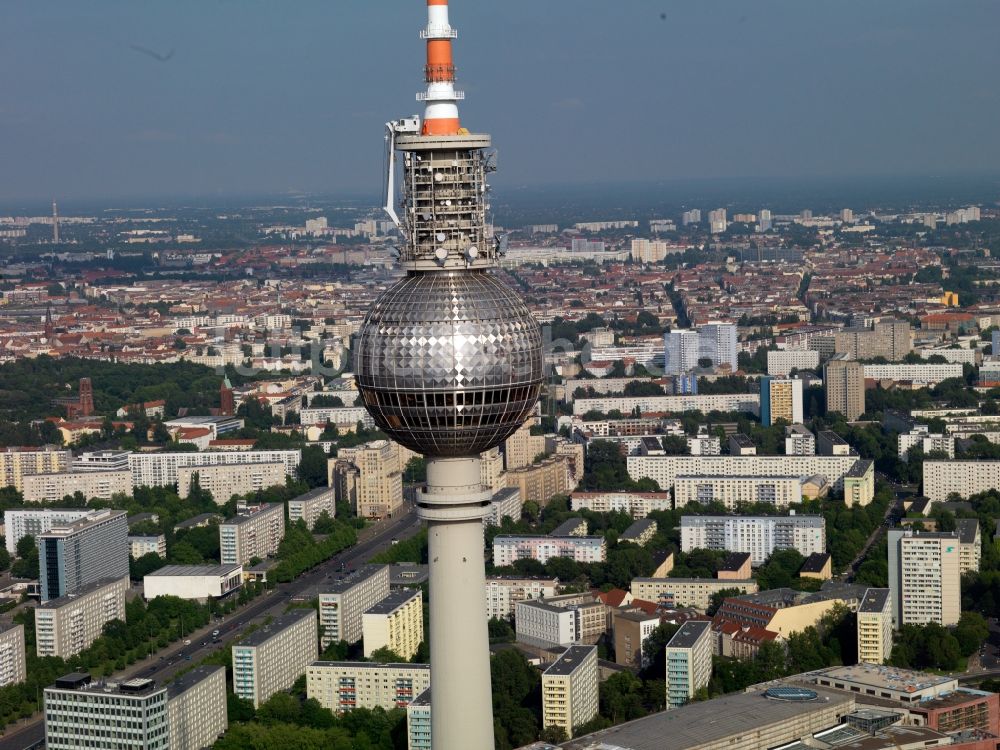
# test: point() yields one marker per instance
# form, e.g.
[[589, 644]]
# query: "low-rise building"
[[344, 602], [395, 623], [146, 544], [345, 685], [875, 633], [503, 593], [256, 533], [818, 565], [198, 582], [640, 532], [689, 661], [67, 625], [310, 506], [272, 658], [736, 567], [12, 655], [686, 592], [570, 689]]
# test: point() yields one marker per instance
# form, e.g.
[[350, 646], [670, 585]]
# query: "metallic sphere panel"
[[449, 363]]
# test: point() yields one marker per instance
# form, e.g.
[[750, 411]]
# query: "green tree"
[[312, 467]]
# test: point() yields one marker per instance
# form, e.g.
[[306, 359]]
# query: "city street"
[[167, 662]]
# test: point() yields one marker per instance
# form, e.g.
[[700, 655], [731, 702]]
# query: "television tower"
[[55, 223], [449, 364]]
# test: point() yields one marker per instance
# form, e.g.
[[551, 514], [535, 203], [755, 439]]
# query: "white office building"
[[198, 582]]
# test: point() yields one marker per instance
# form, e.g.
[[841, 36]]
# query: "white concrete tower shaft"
[[453, 505]]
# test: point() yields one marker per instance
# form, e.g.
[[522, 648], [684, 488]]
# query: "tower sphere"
[[449, 363]]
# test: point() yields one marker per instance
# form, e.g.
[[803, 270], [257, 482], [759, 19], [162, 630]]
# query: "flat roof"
[[196, 570], [742, 440], [200, 420], [82, 591], [712, 721], [394, 601], [860, 468], [832, 437], [887, 678], [502, 494], [874, 601], [797, 519], [188, 680], [82, 682], [352, 579], [197, 520], [369, 665], [689, 633], [967, 529], [313, 494], [571, 659], [259, 510], [275, 627], [93, 519]]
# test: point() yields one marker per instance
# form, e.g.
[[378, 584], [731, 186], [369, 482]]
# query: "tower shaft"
[[453, 505]]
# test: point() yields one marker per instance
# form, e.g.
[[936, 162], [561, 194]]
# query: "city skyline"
[[711, 97]]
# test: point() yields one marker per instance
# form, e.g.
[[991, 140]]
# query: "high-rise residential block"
[[520, 449], [799, 441], [21, 522], [310, 506], [689, 661], [52, 487], [844, 380], [370, 477], [970, 545], [273, 658], [17, 462], [159, 469], [781, 362], [891, 339], [418, 722], [681, 351], [226, 480], [80, 552], [344, 602], [66, 625], [780, 399], [924, 577], [875, 626], [345, 685], [570, 689], [196, 708], [759, 536], [256, 533], [508, 549], [631, 630], [718, 342], [12, 655], [395, 623]]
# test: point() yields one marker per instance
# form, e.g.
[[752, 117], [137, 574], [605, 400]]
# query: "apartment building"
[[639, 532], [21, 522], [310, 506], [66, 625], [780, 399], [742, 402], [256, 533], [963, 478], [665, 469], [81, 552], [337, 415], [924, 577], [395, 623], [538, 482], [681, 352], [345, 685], [636, 504], [689, 661], [226, 480], [734, 491], [829, 443], [760, 536], [799, 441], [508, 549], [520, 449], [505, 503], [704, 445], [921, 437], [570, 689], [970, 545], [418, 722], [17, 462], [342, 605], [844, 382], [891, 339], [144, 545], [370, 477], [780, 363], [80, 713], [196, 708], [718, 342], [491, 474], [12, 655], [631, 630], [686, 592], [159, 469], [539, 623], [502, 593], [272, 658], [198, 582], [53, 487], [875, 629]]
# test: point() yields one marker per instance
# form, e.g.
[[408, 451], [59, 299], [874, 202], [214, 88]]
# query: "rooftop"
[[874, 601], [394, 601], [734, 561], [81, 524], [567, 527], [860, 468], [704, 722], [201, 518], [276, 627], [569, 661], [689, 633], [967, 529], [254, 512], [313, 494], [369, 665], [188, 680], [815, 562], [353, 578], [82, 591], [638, 528], [83, 682], [196, 570], [889, 678]]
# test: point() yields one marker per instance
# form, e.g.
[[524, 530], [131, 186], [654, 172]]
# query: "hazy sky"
[[266, 96]]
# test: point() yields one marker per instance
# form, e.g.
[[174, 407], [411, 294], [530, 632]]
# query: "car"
[[215, 633], [394, 540], [188, 657], [187, 642]]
